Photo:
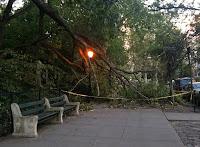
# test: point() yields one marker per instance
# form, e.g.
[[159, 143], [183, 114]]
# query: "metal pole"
[[188, 52], [59, 91], [11, 101], [58, 82], [39, 94], [89, 80], [11, 98]]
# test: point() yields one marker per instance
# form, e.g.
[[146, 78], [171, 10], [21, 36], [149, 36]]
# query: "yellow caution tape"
[[181, 93], [93, 96], [184, 91]]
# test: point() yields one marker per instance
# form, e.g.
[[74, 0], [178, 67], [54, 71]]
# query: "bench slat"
[[32, 111], [69, 108], [58, 104], [56, 99], [47, 115], [25, 105]]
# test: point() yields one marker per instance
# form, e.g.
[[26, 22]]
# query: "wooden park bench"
[[27, 116], [63, 101]]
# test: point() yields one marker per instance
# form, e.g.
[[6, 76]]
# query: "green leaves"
[[116, 52]]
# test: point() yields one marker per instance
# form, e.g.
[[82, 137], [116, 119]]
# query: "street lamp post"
[[89, 81], [90, 55], [188, 53]]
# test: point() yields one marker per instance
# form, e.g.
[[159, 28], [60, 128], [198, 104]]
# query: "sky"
[[18, 3]]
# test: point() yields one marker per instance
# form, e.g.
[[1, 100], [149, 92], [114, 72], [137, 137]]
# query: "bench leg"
[[77, 108], [77, 104], [56, 120], [25, 126], [76, 111]]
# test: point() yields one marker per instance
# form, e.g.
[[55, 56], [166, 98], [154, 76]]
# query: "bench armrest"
[[77, 104], [28, 119], [58, 119], [25, 125], [49, 108]]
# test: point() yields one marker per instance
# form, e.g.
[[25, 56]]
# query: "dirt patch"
[[180, 108]]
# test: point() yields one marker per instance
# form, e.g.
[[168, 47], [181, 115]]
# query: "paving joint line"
[[124, 130], [174, 128]]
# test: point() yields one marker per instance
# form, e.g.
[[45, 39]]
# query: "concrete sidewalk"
[[105, 128]]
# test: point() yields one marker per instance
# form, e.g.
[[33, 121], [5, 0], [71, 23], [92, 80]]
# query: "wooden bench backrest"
[[32, 107], [57, 101]]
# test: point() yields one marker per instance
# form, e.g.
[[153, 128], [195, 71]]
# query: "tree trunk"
[[58, 80], [139, 76], [156, 73], [156, 77], [171, 87], [145, 78], [38, 74], [47, 76]]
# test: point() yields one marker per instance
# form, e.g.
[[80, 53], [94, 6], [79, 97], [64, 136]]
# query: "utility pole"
[[188, 53]]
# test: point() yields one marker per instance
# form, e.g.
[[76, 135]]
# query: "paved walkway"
[[105, 128]]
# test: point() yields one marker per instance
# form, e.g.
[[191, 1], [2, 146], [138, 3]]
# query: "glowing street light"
[[90, 54]]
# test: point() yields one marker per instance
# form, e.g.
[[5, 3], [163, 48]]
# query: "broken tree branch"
[[23, 11], [176, 7], [59, 54], [46, 8], [79, 82]]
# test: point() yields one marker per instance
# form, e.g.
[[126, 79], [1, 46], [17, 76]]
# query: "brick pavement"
[[187, 125], [189, 131]]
